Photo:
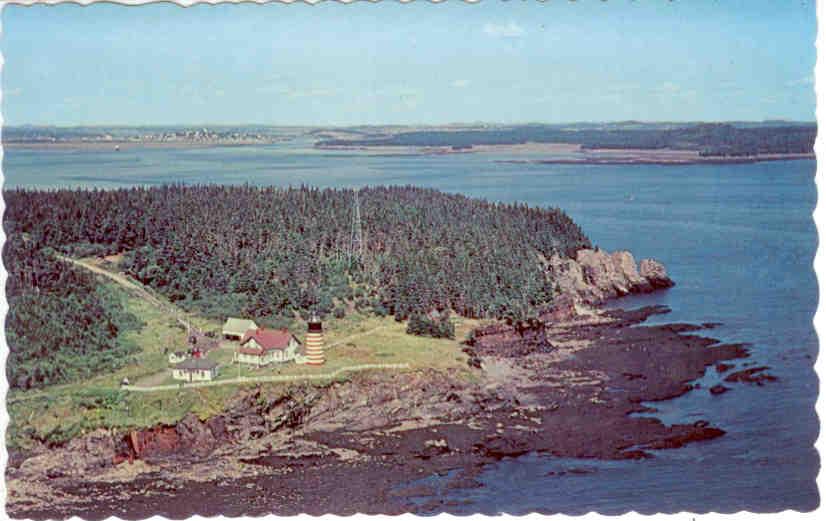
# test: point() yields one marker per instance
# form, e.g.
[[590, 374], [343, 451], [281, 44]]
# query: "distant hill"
[[710, 139]]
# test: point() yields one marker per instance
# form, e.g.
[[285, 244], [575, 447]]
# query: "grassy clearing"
[[372, 340], [58, 413]]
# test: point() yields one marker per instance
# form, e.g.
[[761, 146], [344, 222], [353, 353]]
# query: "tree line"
[[274, 254], [61, 324]]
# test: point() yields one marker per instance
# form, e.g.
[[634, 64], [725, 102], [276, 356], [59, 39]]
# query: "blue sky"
[[384, 63]]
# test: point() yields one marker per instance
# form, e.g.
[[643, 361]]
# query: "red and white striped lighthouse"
[[315, 342]]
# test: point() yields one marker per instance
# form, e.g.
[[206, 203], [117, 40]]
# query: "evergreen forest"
[[62, 325], [270, 254]]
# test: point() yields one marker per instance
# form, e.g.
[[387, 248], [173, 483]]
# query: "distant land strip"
[[706, 139], [643, 160]]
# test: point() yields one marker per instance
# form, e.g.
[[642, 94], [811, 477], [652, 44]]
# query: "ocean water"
[[739, 241]]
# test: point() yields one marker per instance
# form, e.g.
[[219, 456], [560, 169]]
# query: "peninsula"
[[457, 332]]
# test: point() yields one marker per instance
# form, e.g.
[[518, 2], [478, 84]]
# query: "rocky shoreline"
[[565, 385]]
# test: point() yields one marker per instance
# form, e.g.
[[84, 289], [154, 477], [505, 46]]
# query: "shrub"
[[438, 327]]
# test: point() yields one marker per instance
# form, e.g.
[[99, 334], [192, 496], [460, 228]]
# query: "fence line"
[[265, 379]]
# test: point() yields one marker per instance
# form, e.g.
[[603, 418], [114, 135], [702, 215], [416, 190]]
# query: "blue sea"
[[739, 240]]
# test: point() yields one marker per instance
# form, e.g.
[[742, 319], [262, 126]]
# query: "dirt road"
[[133, 286]]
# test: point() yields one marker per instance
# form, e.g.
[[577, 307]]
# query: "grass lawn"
[[62, 411], [58, 413], [361, 339]]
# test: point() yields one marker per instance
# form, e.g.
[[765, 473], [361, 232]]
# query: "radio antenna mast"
[[356, 237]]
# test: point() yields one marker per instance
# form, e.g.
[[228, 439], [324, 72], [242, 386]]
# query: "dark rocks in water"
[[639, 315], [722, 367], [576, 471], [754, 375], [683, 328], [719, 389], [700, 431], [581, 471], [635, 454], [711, 325]]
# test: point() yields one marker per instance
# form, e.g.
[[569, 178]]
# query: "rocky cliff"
[[589, 279], [595, 276]]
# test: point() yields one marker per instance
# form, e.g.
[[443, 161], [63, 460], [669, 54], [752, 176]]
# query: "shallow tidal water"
[[738, 240]]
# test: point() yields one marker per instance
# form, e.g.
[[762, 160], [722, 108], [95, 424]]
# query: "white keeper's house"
[[264, 346], [195, 370]]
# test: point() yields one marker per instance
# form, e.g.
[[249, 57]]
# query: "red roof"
[[268, 339]]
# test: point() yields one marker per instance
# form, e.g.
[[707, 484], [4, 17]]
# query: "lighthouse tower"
[[315, 342]]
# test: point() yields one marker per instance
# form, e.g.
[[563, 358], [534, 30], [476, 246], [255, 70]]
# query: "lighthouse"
[[315, 342]]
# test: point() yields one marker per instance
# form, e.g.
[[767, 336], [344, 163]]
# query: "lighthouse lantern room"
[[315, 342]]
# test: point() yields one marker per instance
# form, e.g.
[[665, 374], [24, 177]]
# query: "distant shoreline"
[[569, 154], [554, 153], [699, 160], [127, 145]]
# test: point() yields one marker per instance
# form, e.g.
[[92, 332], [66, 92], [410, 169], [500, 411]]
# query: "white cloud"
[[459, 84], [508, 30]]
